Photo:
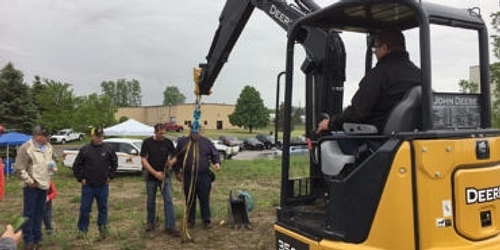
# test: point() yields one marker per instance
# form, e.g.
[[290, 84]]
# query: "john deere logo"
[[482, 195], [482, 150]]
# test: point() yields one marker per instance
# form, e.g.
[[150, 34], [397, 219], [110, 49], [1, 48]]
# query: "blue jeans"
[[47, 217], [34, 208], [201, 191], [100, 194], [168, 205]]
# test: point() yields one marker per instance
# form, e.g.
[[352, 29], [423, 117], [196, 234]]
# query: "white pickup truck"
[[65, 135], [225, 152], [128, 150]]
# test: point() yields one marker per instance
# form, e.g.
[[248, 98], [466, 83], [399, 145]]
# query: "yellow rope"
[[190, 197]]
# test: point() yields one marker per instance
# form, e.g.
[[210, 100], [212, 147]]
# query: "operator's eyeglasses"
[[376, 46]]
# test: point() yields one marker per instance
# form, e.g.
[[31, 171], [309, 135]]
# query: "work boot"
[[37, 246], [29, 246], [103, 232], [207, 225], [81, 235], [172, 231], [190, 224], [150, 227]]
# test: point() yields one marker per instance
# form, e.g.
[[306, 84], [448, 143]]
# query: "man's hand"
[[178, 176], [322, 126], [159, 175], [217, 166], [9, 233], [170, 163], [84, 181]]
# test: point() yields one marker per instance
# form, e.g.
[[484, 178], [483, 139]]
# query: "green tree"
[[297, 115], [56, 104], [37, 88], [249, 111], [123, 93], [280, 119], [17, 110], [469, 87], [94, 110], [172, 96]]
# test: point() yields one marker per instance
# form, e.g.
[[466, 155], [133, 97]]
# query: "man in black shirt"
[[155, 153], [94, 167], [381, 88]]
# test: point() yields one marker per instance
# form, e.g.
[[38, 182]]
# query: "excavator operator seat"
[[405, 116], [333, 160]]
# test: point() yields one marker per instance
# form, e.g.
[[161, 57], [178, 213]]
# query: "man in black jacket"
[[94, 167], [381, 88]]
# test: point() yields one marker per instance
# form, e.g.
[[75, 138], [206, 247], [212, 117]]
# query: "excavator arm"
[[232, 20], [324, 65]]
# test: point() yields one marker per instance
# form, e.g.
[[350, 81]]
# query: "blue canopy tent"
[[12, 139]]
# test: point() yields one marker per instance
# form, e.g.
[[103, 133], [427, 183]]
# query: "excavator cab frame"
[[406, 194]]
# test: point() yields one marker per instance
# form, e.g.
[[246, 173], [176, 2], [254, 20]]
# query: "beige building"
[[213, 116]]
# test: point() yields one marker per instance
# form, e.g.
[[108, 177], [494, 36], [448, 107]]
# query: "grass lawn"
[[260, 178]]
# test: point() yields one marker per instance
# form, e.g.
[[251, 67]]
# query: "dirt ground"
[[127, 216]]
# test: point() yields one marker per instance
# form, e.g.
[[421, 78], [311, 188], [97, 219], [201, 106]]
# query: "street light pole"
[[277, 106]]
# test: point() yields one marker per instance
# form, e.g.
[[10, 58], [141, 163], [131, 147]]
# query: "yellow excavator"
[[434, 183]]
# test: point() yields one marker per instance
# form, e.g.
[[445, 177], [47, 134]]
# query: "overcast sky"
[[158, 43]]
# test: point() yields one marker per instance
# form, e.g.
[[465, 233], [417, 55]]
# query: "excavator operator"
[[381, 88]]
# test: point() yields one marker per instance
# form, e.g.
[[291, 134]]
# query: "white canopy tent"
[[130, 127]]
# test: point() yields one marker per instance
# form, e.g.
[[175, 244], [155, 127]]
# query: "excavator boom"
[[324, 65], [232, 20]]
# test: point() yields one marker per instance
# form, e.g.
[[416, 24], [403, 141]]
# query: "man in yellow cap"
[[94, 167]]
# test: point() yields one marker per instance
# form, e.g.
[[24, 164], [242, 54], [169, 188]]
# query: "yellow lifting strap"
[[192, 146], [190, 197]]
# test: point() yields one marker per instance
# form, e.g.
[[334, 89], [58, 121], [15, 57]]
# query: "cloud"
[[159, 42]]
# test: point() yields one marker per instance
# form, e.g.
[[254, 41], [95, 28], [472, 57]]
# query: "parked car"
[[230, 140], [172, 126], [127, 150], [65, 135], [253, 144], [225, 152], [267, 140]]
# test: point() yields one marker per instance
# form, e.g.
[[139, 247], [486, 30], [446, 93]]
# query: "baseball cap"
[[96, 132], [40, 130]]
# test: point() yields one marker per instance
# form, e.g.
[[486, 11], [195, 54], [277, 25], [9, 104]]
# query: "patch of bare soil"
[[127, 217]]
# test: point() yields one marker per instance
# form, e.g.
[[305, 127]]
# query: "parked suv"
[[267, 140]]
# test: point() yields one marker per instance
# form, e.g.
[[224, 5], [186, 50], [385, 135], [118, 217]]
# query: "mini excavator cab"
[[433, 183]]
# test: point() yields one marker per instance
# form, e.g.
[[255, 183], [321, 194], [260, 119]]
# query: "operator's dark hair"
[[394, 39], [159, 126]]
